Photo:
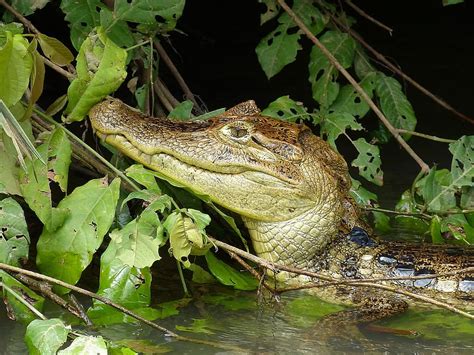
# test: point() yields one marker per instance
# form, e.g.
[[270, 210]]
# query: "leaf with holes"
[[462, 165], [322, 73], [64, 253], [14, 237], [362, 65], [368, 161], [350, 101], [286, 109], [334, 124], [35, 182], [394, 103], [279, 48], [159, 14], [270, 12]]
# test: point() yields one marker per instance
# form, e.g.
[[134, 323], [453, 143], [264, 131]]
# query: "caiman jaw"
[[286, 183]]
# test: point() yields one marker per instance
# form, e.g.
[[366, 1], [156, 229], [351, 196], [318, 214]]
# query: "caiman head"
[[287, 184]]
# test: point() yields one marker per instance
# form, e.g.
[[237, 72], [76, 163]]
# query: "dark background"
[[214, 49]]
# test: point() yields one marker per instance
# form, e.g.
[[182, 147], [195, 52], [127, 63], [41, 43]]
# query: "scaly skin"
[[291, 190]]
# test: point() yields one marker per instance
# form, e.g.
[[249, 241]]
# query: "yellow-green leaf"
[[55, 50]]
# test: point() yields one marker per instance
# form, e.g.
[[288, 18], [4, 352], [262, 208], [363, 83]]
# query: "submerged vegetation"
[[128, 216]]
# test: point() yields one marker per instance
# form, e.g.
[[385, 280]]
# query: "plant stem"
[[414, 214], [181, 277], [426, 136], [368, 17], [357, 87], [116, 306], [23, 301]]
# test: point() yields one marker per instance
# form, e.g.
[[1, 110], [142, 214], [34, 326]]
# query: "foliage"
[[132, 230]]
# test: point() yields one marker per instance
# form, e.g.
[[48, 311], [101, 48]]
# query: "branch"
[[358, 283], [393, 68], [368, 17], [424, 167], [164, 56], [116, 306]]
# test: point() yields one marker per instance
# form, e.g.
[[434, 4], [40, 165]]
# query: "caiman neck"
[[298, 241]]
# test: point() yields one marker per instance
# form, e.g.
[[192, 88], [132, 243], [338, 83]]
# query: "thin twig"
[[164, 56], [424, 167], [116, 306], [161, 95], [426, 136], [23, 301], [384, 210], [167, 92], [396, 70], [358, 283], [368, 17]]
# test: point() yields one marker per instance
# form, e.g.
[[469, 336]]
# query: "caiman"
[[292, 192]]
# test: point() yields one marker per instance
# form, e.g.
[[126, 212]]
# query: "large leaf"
[[322, 73], [368, 161], [279, 48], [437, 190], [55, 50], [334, 124], [350, 101], [159, 14], [138, 242], [100, 71], [35, 182], [27, 7], [121, 283], [16, 64], [394, 103], [14, 237], [462, 165], [86, 345], [228, 275], [270, 12], [64, 253], [286, 109], [45, 336]]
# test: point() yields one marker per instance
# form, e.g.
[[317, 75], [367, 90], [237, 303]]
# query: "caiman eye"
[[238, 132]]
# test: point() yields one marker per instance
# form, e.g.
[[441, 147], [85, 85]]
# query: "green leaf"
[[138, 242], [14, 237], [100, 71], [362, 66], [435, 230], [156, 201], [228, 275], [286, 109], [186, 236], [462, 165], [55, 50], [16, 63], [436, 189], [394, 103], [334, 124], [198, 326], [361, 195], [270, 12], [279, 48], [64, 253], [82, 16], [368, 161], [322, 73], [19, 311], [35, 182], [123, 284], [143, 176], [182, 112], [350, 101], [28, 7], [200, 275], [86, 345], [452, 2], [45, 336], [161, 14], [117, 29]]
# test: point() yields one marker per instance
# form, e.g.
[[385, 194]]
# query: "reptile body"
[[291, 190]]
